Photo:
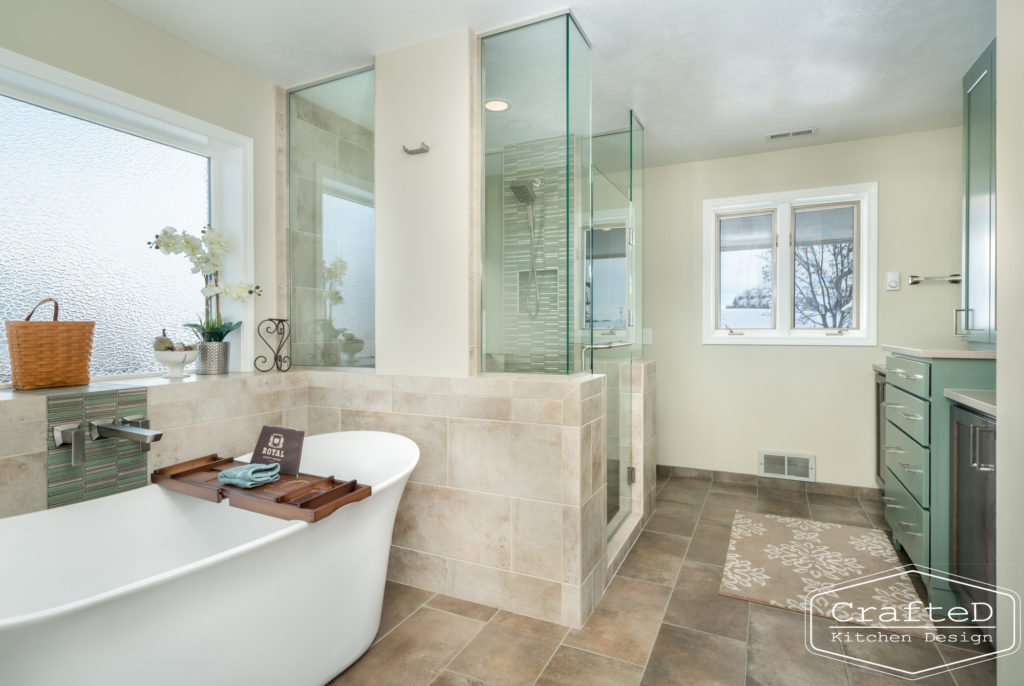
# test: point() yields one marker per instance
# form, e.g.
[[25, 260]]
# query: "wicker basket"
[[49, 354]]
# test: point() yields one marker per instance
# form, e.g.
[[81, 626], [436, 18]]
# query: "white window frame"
[[230, 154], [783, 203]]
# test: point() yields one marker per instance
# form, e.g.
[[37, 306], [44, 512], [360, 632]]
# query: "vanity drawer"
[[909, 521], [910, 375], [908, 461], [908, 412]]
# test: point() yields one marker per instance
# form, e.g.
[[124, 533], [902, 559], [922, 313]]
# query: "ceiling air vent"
[[783, 465], [781, 135]]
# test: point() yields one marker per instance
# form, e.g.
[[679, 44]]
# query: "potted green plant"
[[206, 254]]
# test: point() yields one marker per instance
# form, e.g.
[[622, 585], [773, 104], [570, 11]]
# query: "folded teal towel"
[[250, 475]]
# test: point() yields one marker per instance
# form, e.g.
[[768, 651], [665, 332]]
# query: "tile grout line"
[[483, 626], [389, 631], [551, 657], [668, 602]]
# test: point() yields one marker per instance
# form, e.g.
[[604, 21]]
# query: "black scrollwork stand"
[[281, 329]]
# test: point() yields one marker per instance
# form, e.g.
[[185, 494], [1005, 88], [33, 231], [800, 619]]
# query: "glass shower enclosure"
[[561, 227]]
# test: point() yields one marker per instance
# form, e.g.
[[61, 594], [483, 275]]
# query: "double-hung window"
[[791, 268]]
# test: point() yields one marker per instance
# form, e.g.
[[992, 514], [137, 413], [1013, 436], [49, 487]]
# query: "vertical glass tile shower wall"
[[331, 222], [536, 197]]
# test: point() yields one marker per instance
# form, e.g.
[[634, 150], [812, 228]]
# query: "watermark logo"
[[865, 622]]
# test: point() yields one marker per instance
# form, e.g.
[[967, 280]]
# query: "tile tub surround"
[[506, 506]]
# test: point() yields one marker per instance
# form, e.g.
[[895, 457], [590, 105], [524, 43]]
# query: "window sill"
[[845, 340]]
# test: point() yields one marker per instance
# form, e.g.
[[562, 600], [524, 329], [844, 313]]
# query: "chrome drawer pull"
[[887, 499], [907, 468], [906, 528], [890, 506], [894, 449], [892, 405], [911, 417], [913, 377]]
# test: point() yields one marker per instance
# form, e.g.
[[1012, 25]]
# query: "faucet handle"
[[139, 420]]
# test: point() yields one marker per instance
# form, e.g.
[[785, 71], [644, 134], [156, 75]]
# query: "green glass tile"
[[100, 475], [63, 475], [101, 493], [65, 500], [55, 491], [122, 487]]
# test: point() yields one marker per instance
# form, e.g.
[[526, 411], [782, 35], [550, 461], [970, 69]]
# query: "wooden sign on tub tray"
[[295, 496]]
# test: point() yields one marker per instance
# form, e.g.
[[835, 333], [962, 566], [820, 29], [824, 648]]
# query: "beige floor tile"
[[733, 489], [447, 678], [674, 518], [683, 490], [572, 667], [776, 655], [414, 652], [687, 657], [710, 543], [655, 557], [721, 507], [626, 621], [783, 507], [696, 603], [981, 673], [400, 601], [465, 608], [914, 655], [840, 514], [865, 677], [510, 651]]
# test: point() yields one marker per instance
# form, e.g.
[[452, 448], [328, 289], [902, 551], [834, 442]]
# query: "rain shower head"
[[524, 194]]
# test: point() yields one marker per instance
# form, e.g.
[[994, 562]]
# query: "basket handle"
[[44, 300]]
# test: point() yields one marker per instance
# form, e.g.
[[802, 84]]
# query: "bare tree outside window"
[[824, 267]]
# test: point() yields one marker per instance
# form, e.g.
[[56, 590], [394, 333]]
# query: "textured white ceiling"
[[708, 79]]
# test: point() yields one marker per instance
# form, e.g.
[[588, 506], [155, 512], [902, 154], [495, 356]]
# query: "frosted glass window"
[[78, 201], [348, 236], [746, 271]]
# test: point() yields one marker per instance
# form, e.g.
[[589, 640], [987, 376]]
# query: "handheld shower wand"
[[525, 195]]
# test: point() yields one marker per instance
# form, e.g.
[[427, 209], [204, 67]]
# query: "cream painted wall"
[[98, 41], [1010, 315], [424, 93], [717, 405]]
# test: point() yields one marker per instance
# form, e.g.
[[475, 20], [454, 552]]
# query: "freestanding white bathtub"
[[155, 587]]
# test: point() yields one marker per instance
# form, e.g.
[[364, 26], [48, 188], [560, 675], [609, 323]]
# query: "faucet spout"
[[118, 430]]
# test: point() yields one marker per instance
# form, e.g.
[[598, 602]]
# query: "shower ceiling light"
[[496, 105]]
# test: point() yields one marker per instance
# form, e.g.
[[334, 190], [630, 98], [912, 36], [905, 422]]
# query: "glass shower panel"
[[536, 85], [610, 260], [636, 214], [331, 230]]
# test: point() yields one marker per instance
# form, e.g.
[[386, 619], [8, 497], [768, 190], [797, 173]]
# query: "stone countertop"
[[878, 367], [982, 401], [956, 353]]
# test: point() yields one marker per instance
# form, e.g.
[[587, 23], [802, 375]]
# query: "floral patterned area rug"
[[784, 561]]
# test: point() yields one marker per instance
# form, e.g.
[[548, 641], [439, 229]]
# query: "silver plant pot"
[[213, 358]]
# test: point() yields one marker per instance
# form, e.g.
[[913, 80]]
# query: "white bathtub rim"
[[160, 578]]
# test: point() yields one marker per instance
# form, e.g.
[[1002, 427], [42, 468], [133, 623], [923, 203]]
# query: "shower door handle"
[[600, 346]]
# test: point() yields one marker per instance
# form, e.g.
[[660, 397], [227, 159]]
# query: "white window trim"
[[784, 333], [231, 161]]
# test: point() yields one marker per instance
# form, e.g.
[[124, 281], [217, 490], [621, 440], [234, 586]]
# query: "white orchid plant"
[[334, 276], [206, 253]]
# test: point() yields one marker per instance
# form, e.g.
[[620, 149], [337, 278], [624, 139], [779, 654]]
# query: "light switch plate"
[[648, 337], [892, 281]]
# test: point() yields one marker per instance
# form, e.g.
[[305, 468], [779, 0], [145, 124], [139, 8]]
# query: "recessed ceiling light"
[[496, 105]]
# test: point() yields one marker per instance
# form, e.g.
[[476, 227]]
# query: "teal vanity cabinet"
[[976, 318], [917, 451]]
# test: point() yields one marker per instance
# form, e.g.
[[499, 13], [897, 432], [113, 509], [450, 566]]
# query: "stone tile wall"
[[506, 507]]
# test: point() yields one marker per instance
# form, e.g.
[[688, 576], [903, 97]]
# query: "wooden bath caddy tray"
[[302, 496]]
